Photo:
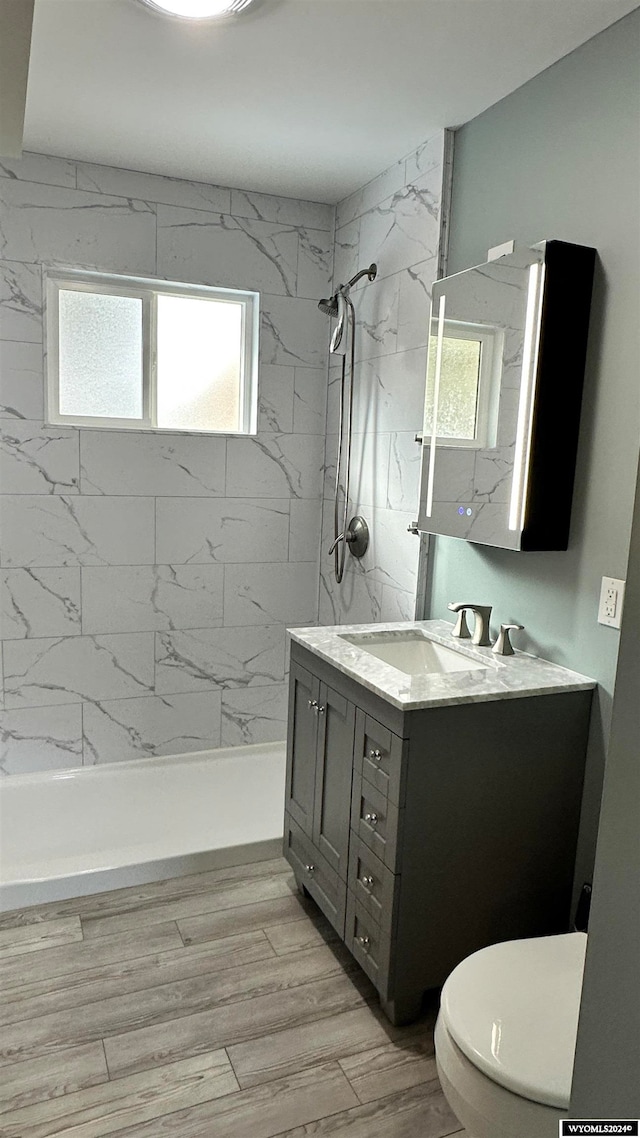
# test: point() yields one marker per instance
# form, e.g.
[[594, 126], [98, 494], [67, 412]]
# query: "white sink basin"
[[412, 652]]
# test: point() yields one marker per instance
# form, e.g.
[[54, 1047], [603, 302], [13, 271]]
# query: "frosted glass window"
[[199, 364], [100, 355], [459, 387]]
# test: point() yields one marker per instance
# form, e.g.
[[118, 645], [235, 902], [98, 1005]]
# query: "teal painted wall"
[[560, 158]]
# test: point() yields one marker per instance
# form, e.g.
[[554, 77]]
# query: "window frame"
[[147, 289], [491, 340]]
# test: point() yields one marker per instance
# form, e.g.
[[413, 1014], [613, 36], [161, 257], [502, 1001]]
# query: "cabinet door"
[[336, 725], [302, 734]]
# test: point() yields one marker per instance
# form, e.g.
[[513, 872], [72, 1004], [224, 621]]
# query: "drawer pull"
[[313, 704], [364, 942], [310, 868], [372, 819], [367, 881], [376, 756]]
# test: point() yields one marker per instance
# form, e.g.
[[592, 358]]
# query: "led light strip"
[[436, 399], [520, 484]]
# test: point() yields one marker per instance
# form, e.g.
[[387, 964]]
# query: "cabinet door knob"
[[367, 881], [372, 819], [313, 704], [376, 756], [321, 710], [364, 942], [310, 868]]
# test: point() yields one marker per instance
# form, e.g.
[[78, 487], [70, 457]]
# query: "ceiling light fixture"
[[199, 9]]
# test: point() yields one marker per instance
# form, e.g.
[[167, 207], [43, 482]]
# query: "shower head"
[[329, 306]]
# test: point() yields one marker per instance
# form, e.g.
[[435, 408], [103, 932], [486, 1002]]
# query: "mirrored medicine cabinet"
[[505, 370]]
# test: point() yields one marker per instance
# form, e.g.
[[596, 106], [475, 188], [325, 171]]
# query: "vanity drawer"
[[376, 820], [372, 884], [368, 943], [378, 757], [311, 870]]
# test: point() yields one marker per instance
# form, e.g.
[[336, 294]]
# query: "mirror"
[[505, 367]]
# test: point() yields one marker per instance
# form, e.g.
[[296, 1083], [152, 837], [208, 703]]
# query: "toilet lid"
[[513, 1009]]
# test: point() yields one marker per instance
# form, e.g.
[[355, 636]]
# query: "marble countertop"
[[502, 677]]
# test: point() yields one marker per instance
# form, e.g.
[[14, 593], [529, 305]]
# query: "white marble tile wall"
[[395, 221], [146, 581]]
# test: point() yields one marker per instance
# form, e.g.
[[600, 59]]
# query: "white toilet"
[[506, 1034]]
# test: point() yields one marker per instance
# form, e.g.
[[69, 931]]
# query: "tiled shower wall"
[[395, 221], [147, 578]]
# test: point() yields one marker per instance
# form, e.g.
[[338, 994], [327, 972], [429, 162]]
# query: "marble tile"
[[397, 604], [206, 659], [121, 462], [35, 459], [217, 249], [199, 530], [377, 190], [254, 715], [121, 729], [151, 597], [403, 229], [21, 380], [152, 187], [287, 211], [47, 224], [310, 401], [346, 252], [270, 594], [21, 303], [272, 466], [77, 668], [59, 530], [39, 168], [293, 331], [305, 529], [369, 468], [315, 263], [415, 304], [275, 398], [39, 602], [405, 460], [389, 395], [428, 158], [40, 738], [377, 318], [392, 557]]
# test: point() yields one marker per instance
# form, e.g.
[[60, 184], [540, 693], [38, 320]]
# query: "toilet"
[[506, 1034]]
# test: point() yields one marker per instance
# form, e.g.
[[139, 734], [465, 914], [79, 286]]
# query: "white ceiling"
[[306, 98]]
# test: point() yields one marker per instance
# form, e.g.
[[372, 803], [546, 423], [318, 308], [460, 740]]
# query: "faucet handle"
[[503, 645], [461, 630]]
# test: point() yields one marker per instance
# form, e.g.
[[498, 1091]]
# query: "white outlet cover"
[[611, 602]]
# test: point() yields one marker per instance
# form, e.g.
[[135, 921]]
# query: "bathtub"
[[68, 833]]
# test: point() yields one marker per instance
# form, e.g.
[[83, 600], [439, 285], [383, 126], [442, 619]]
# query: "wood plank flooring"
[[220, 1005]]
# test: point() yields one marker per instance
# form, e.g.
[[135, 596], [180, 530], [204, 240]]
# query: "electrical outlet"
[[611, 602]]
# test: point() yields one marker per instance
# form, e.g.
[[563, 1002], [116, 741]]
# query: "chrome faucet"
[[482, 615]]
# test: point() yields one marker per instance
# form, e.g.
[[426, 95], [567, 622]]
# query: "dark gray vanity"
[[431, 815]]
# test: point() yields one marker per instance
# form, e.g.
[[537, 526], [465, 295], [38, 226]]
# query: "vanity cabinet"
[[425, 835]]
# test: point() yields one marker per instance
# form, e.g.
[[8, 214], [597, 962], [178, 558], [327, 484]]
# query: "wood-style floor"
[[214, 1006]]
